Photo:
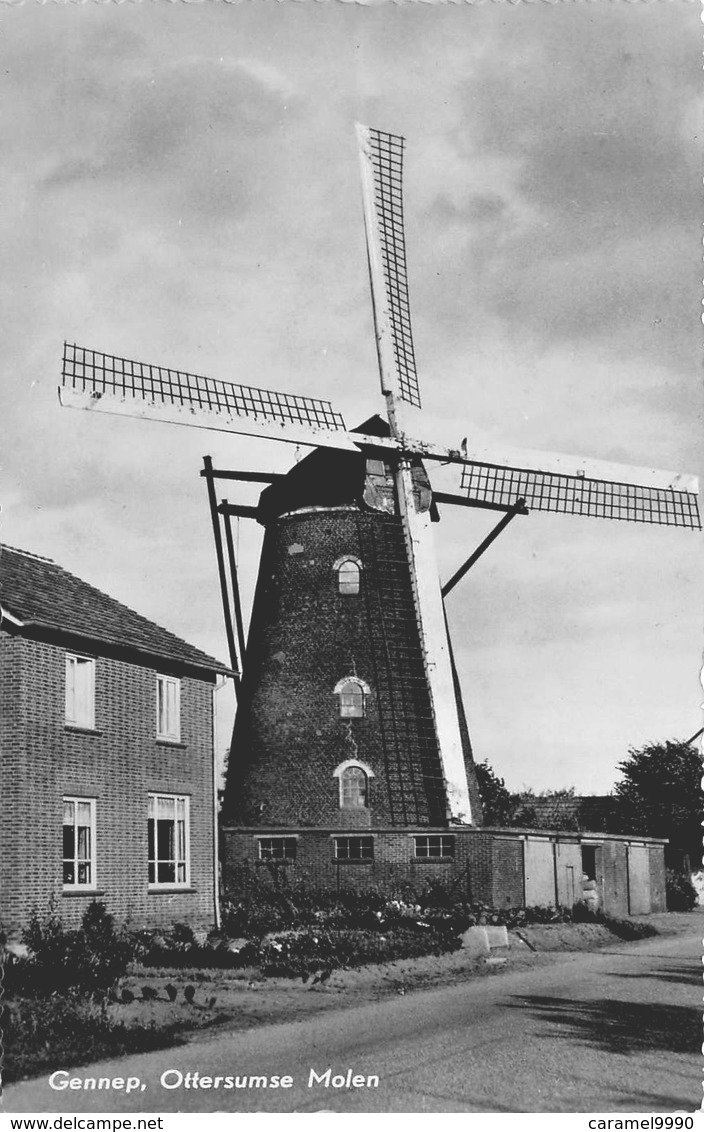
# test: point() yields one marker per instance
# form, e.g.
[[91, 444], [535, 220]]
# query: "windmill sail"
[[381, 157], [104, 382], [618, 492]]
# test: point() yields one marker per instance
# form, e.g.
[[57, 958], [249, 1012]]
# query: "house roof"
[[39, 594], [595, 812]]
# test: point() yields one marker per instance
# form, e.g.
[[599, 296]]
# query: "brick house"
[[106, 744]]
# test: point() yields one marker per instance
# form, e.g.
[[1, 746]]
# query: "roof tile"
[[38, 592]]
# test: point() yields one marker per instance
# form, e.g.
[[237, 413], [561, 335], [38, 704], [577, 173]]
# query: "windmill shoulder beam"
[[558, 463], [463, 501], [194, 417], [325, 437], [238, 510], [250, 477]]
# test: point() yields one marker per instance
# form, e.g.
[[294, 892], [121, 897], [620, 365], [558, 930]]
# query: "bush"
[[629, 929], [90, 960], [681, 895], [68, 1030], [312, 949]]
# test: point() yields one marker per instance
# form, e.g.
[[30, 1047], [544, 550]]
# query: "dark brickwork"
[[393, 867], [305, 637], [507, 883], [118, 764], [487, 866]]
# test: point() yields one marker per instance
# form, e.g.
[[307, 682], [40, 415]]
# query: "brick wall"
[[393, 867], [117, 764], [305, 637], [488, 865], [484, 868]]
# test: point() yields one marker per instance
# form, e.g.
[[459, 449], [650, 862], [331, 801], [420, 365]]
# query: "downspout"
[[219, 685]]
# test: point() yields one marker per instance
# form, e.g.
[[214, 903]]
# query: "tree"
[[660, 795], [497, 803]]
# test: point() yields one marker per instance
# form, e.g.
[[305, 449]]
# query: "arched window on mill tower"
[[352, 692], [353, 778], [348, 573]]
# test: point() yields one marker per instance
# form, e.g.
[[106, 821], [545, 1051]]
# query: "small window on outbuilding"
[[277, 848], [434, 845], [348, 571], [352, 693], [354, 848]]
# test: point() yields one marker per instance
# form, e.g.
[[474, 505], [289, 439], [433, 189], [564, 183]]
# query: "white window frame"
[[427, 841], [80, 691], [345, 586], [363, 692], [168, 720], [78, 860], [288, 846], [178, 859], [348, 841], [339, 772]]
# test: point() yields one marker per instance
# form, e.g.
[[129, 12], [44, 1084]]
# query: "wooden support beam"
[[234, 580], [250, 477], [518, 509], [239, 510], [234, 660], [463, 501]]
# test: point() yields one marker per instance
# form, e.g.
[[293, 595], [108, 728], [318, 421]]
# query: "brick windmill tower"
[[350, 727]]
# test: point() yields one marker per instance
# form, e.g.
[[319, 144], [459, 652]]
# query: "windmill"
[[348, 585]]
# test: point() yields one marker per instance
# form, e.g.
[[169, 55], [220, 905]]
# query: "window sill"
[[354, 860], [169, 889], [87, 891], [163, 742], [77, 729], [434, 860]]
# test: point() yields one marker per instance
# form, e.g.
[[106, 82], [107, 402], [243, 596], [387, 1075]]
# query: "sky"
[[181, 186]]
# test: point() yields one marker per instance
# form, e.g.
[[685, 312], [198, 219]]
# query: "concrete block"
[[497, 935], [476, 942]]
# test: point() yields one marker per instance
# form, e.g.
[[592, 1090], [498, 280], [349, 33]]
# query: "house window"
[[168, 708], [80, 691], [354, 848], [348, 575], [79, 843], [435, 845], [351, 692], [277, 848], [354, 791], [168, 839]]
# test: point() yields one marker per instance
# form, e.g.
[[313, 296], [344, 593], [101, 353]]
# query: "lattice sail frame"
[[502, 487], [381, 158], [96, 373]]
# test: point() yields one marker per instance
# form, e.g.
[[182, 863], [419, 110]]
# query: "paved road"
[[611, 1031]]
